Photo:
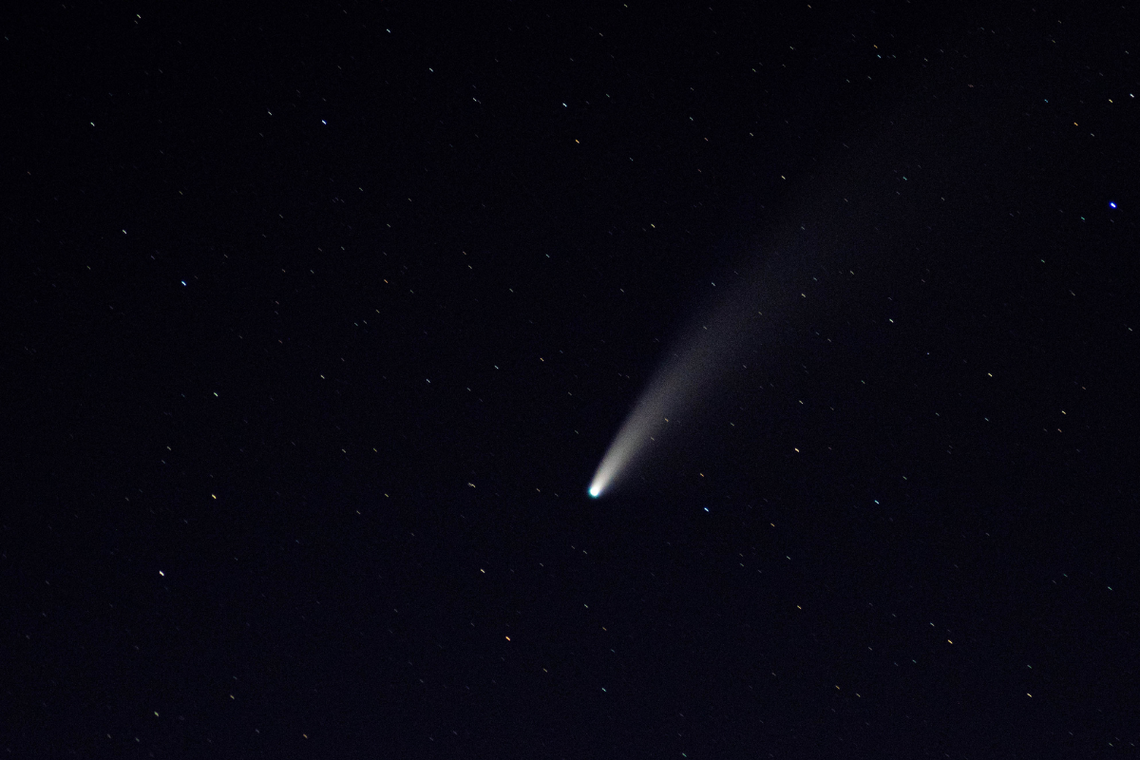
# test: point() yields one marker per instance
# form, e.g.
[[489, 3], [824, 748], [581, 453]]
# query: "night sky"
[[320, 319]]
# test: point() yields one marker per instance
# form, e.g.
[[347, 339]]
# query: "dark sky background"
[[320, 318]]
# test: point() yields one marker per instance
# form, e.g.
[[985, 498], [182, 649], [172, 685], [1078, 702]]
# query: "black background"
[[321, 317]]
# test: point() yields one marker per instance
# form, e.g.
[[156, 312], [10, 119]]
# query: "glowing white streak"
[[667, 396], [713, 346], [764, 298], [674, 391]]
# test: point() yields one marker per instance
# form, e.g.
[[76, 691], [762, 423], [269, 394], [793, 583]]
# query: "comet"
[[814, 253], [728, 337], [723, 338], [671, 393]]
